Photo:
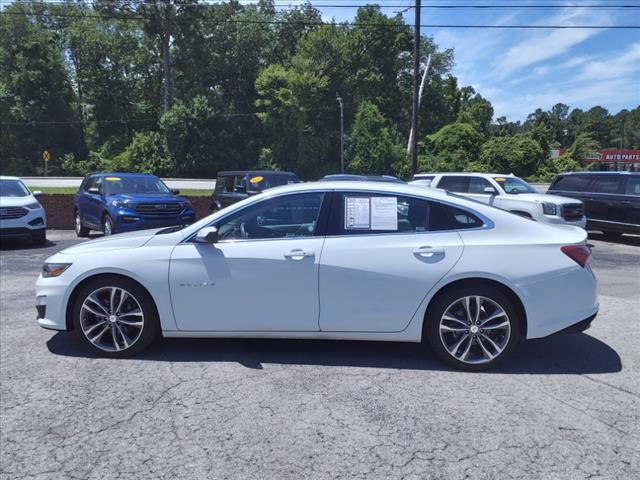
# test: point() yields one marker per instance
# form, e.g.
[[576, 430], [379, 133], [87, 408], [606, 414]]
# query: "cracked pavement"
[[562, 408]]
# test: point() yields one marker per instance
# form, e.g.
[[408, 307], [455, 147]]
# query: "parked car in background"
[[360, 178], [21, 215], [513, 194], [611, 199], [121, 202], [233, 186], [342, 261]]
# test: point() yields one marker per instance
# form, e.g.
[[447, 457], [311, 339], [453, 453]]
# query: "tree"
[[519, 154], [371, 148], [454, 146]]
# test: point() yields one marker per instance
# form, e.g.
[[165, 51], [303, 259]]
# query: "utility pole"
[[341, 134], [416, 95]]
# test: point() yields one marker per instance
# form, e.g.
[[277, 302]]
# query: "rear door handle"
[[427, 251], [298, 254]]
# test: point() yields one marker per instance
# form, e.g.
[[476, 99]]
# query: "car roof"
[[343, 177], [599, 173], [7, 177], [472, 174], [124, 174], [259, 172]]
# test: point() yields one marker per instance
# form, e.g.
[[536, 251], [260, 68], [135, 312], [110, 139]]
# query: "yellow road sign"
[[46, 156]]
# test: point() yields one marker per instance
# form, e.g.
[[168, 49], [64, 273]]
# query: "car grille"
[[11, 213], [573, 212], [158, 210]]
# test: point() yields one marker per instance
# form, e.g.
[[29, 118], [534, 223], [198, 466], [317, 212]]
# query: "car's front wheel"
[[473, 327], [115, 316], [108, 227], [39, 237]]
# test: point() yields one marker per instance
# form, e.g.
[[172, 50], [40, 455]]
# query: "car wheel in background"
[[115, 316], [108, 228], [81, 231], [472, 326], [39, 237]]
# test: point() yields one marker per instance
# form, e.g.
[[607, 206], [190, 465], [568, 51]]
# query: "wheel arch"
[[522, 213], [505, 289], [85, 281]]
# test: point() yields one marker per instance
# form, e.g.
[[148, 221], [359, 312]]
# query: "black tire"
[[108, 227], [612, 235], [150, 329], [81, 230], [39, 237], [444, 300]]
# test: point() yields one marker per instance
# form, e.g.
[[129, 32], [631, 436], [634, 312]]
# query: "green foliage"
[[147, 153], [518, 154], [454, 147], [371, 147]]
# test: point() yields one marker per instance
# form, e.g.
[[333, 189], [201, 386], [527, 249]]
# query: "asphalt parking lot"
[[563, 408]]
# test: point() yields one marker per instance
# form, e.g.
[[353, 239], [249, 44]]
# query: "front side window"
[[455, 183], [291, 216], [13, 188], [514, 185], [572, 183], [607, 184], [479, 184]]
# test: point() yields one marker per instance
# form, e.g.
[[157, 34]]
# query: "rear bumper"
[[578, 327]]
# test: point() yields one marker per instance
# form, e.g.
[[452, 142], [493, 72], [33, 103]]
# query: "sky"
[[520, 70]]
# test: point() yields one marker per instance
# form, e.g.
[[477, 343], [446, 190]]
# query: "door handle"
[[298, 254], [427, 251]]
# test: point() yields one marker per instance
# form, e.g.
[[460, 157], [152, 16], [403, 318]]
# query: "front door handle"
[[427, 251], [298, 254]]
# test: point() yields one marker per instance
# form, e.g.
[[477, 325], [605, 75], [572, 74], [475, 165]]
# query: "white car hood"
[[543, 197], [113, 242], [17, 201]]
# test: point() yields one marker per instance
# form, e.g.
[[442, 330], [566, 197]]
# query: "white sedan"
[[330, 260]]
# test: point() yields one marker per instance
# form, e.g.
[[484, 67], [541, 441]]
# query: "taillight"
[[581, 254]]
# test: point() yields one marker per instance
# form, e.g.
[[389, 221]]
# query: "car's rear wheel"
[[473, 327], [115, 316], [81, 230], [108, 227]]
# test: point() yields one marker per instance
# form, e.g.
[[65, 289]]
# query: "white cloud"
[[620, 66]]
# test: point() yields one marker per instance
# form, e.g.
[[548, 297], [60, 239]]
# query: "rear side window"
[[607, 184], [373, 213], [454, 183], [633, 185], [572, 183]]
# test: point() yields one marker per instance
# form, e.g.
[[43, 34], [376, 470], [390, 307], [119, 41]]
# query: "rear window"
[[572, 183], [455, 184], [607, 184]]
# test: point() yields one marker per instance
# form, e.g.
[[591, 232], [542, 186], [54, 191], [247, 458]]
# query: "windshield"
[[514, 185], [13, 188], [264, 181], [135, 185]]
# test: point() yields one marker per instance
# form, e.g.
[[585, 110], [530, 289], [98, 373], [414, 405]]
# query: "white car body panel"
[[370, 287]]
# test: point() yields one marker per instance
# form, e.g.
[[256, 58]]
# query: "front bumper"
[[51, 303], [557, 220], [25, 226]]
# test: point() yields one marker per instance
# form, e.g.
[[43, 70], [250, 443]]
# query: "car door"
[[90, 201], [262, 274], [606, 199], [632, 201], [380, 260]]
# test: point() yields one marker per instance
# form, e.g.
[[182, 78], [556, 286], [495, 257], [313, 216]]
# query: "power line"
[[352, 24]]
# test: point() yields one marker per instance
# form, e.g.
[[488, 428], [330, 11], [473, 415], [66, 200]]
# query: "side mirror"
[[175, 191], [94, 191], [489, 190], [207, 235], [37, 193]]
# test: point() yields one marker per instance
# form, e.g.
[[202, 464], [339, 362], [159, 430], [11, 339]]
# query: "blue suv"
[[122, 202]]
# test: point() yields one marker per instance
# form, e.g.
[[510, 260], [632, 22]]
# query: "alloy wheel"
[[111, 318], [107, 228], [475, 329]]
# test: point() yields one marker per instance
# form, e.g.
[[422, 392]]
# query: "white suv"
[[21, 215], [508, 192]]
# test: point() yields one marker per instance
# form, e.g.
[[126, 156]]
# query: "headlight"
[[33, 206], [54, 269], [549, 208], [119, 203]]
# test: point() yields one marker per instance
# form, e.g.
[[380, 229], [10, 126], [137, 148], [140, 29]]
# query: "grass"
[[73, 190]]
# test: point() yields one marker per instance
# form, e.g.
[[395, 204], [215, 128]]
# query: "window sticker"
[[384, 213], [357, 213], [113, 179], [256, 179], [499, 179]]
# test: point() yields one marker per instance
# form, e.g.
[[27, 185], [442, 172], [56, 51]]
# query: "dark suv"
[[231, 187], [121, 202], [611, 199]]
